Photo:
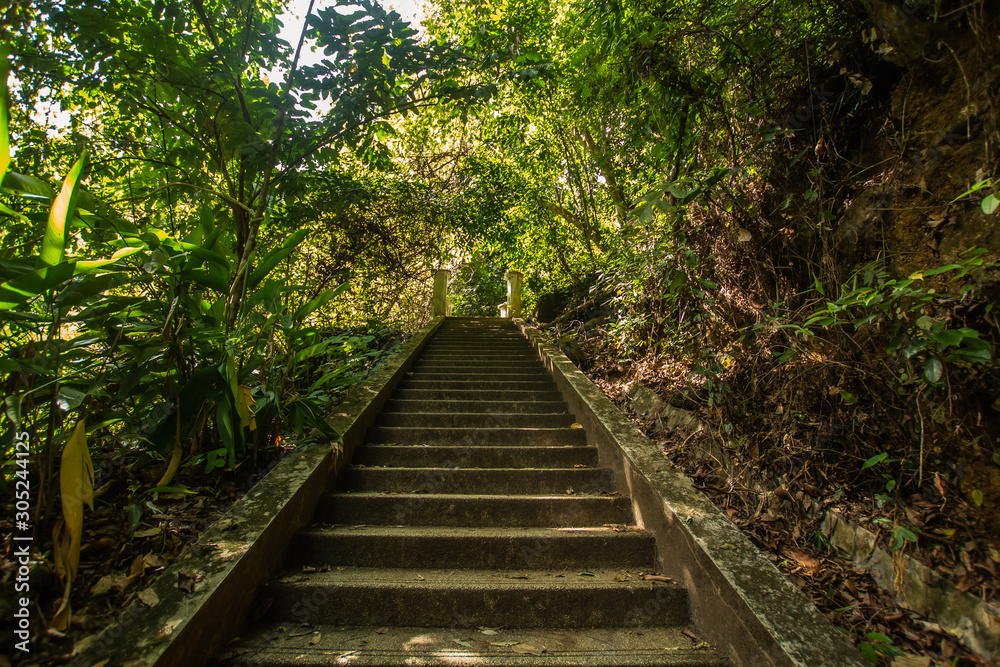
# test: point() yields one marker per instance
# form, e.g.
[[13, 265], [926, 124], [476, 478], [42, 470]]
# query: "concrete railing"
[[510, 308]]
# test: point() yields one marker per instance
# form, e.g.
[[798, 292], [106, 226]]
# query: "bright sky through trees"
[[411, 10]]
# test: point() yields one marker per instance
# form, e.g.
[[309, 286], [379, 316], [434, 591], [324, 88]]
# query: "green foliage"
[[166, 304], [923, 344], [877, 646]]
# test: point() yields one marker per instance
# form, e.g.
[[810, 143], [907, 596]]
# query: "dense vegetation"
[[209, 233]]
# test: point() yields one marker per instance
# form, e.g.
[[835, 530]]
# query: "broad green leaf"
[[878, 458], [990, 204], [91, 265], [307, 309], [81, 290], [933, 369], [227, 433], [28, 186], [203, 253], [22, 289], [310, 352], [4, 112], [54, 244], [170, 489], [274, 257], [948, 337]]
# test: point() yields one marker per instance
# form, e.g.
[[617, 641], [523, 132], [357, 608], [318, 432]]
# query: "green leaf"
[[977, 497], [878, 458], [203, 253], [170, 489], [134, 514], [939, 269], [28, 186], [92, 265], [22, 289], [307, 309], [948, 337], [4, 112], [224, 422], [990, 204], [54, 244], [870, 654], [274, 257], [933, 369], [309, 352], [975, 188]]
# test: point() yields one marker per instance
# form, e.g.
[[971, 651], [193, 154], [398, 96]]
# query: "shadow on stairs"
[[475, 526]]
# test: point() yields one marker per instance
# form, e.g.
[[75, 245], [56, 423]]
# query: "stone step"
[[464, 337], [490, 352], [474, 419], [465, 645], [478, 360], [473, 375], [507, 598], [437, 547], [402, 435], [491, 481], [485, 511], [464, 340], [461, 366], [519, 395], [471, 387], [529, 407], [415, 456]]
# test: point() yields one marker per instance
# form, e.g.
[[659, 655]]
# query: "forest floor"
[[118, 564], [953, 539]]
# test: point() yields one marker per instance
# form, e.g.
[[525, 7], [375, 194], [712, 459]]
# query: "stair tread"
[[454, 578], [616, 531], [467, 497], [463, 647]]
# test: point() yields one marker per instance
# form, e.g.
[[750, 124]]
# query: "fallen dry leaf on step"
[[801, 557], [185, 582], [656, 577], [528, 649], [148, 597]]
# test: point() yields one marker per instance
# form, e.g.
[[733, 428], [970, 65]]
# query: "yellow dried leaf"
[[76, 487], [245, 406]]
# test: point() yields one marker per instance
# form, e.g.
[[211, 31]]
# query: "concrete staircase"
[[475, 527]]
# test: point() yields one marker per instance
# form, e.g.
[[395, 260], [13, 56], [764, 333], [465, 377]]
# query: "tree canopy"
[[209, 233]]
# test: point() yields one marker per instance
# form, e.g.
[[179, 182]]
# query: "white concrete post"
[[513, 294], [439, 301]]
